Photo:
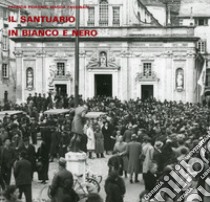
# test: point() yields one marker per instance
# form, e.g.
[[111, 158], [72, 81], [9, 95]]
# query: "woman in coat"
[[120, 147], [43, 159], [133, 151], [99, 142], [114, 188], [90, 140], [107, 133]]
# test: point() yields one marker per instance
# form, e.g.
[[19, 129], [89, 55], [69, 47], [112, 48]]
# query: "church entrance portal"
[[103, 85], [61, 89], [146, 91]]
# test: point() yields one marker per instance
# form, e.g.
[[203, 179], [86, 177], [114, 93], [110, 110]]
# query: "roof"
[[174, 6], [10, 112], [200, 8]]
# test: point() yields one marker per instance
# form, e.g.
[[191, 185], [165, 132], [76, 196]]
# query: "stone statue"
[[180, 79], [30, 78], [103, 59], [52, 75]]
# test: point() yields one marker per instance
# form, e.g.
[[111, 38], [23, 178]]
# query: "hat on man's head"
[[133, 137], [62, 162], [158, 144]]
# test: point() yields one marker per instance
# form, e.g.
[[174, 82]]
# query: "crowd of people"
[[143, 137]]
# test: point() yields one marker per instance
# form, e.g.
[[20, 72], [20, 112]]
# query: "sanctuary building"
[[134, 55]]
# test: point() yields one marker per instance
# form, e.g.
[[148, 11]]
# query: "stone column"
[[169, 79], [19, 86], [190, 77], [40, 75], [124, 73]]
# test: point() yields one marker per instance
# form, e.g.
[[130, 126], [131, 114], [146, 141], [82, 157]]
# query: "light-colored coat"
[[91, 139], [148, 151]]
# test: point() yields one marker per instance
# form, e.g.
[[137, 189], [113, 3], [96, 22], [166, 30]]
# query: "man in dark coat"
[[22, 173], [7, 158], [114, 188], [115, 163], [61, 188], [55, 138], [34, 127], [30, 153], [43, 159]]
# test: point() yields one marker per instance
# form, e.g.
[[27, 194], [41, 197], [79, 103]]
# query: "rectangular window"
[[5, 42], [91, 16], [201, 45], [180, 22], [5, 72], [201, 21], [5, 13], [116, 16], [61, 69], [147, 71], [103, 14]]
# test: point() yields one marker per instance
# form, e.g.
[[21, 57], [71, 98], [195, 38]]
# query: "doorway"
[[103, 85], [146, 92], [61, 89]]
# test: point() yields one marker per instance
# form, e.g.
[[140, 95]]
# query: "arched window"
[[179, 78], [103, 13], [29, 78]]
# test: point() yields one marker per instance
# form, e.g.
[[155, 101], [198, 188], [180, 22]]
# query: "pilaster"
[[19, 80]]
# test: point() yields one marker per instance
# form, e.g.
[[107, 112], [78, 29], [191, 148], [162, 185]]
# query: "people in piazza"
[[169, 129]]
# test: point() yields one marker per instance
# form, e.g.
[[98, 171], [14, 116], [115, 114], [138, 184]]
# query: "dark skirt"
[[43, 171]]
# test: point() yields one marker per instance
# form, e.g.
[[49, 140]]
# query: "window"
[[5, 13], [5, 72], [180, 22], [61, 69], [116, 16], [103, 13], [91, 16], [201, 46], [5, 42], [147, 71], [201, 21]]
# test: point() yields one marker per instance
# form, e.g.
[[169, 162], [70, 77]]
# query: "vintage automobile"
[[57, 111], [93, 115], [10, 113]]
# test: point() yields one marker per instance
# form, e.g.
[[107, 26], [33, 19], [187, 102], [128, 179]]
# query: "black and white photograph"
[[105, 100]]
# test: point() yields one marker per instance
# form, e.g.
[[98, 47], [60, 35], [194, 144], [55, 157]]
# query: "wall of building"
[[127, 61], [8, 83]]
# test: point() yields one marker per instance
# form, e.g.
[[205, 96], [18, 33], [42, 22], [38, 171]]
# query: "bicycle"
[[91, 185]]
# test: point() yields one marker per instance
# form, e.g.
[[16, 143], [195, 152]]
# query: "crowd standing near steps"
[[145, 137]]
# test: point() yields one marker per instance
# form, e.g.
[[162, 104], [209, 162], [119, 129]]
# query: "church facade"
[[133, 56]]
